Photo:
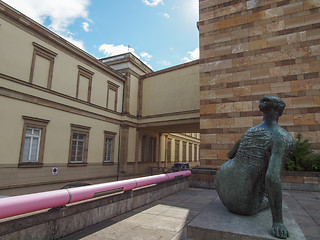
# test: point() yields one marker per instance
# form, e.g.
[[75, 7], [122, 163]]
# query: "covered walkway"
[[167, 218]]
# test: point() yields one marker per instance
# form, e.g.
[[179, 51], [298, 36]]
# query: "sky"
[[161, 33]]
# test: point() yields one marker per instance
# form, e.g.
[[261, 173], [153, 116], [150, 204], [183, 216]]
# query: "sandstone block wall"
[[251, 49]]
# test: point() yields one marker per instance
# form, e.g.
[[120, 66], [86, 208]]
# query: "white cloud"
[[147, 64], [164, 63], [78, 43], [192, 55], [146, 56], [112, 50], [61, 14], [85, 26], [153, 3], [166, 15]]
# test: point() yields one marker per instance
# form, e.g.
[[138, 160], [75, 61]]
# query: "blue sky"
[[162, 33]]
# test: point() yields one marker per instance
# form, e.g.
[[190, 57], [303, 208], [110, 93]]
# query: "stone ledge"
[[301, 177], [302, 181], [301, 187], [216, 222], [54, 224]]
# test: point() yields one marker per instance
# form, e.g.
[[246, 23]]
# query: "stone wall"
[[54, 224], [251, 49], [302, 181], [202, 178]]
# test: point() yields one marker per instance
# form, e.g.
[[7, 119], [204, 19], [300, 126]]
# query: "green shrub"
[[302, 159], [315, 162]]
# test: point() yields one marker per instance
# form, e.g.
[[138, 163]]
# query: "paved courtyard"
[[167, 218]]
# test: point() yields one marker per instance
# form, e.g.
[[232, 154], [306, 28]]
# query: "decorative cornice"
[[59, 94], [127, 57], [27, 24], [174, 68], [86, 128], [44, 121], [171, 122], [170, 114], [55, 105]]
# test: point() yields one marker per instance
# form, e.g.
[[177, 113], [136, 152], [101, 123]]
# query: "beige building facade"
[[69, 117], [177, 147]]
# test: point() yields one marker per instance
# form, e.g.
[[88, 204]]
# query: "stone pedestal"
[[216, 222]]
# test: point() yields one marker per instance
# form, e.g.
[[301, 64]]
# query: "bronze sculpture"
[[250, 181]]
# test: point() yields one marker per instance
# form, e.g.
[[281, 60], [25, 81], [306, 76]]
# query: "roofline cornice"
[[30, 24], [127, 57], [174, 68]]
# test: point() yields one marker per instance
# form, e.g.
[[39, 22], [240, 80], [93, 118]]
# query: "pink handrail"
[[12, 206]]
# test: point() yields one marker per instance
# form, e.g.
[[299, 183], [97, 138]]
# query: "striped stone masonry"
[[251, 49]]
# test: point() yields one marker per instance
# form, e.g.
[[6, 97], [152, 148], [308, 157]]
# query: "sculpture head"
[[271, 104]]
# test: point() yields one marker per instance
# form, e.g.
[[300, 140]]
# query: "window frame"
[[184, 151], [114, 87], [34, 123], [149, 149], [110, 135], [83, 72], [169, 147], [41, 51], [33, 137], [143, 150], [177, 150], [195, 153], [190, 151], [79, 129]]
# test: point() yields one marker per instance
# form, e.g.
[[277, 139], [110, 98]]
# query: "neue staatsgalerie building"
[[69, 117]]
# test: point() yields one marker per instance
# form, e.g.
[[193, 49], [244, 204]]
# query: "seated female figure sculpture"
[[250, 181]]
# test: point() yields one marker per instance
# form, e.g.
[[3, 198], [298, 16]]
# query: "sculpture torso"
[[254, 151]]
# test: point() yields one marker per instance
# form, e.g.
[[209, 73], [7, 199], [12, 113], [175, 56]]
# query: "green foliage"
[[315, 162], [302, 158]]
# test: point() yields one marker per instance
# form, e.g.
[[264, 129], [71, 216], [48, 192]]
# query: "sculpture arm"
[[274, 188], [233, 150]]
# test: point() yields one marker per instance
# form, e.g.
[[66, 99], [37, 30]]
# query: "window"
[[42, 66], [169, 150], [84, 84], [109, 141], [143, 152], [112, 96], [190, 152], [195, 153], [33, 139], [31, 145], [176, 150], [148, 149], [184, 151], [79, 145]]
